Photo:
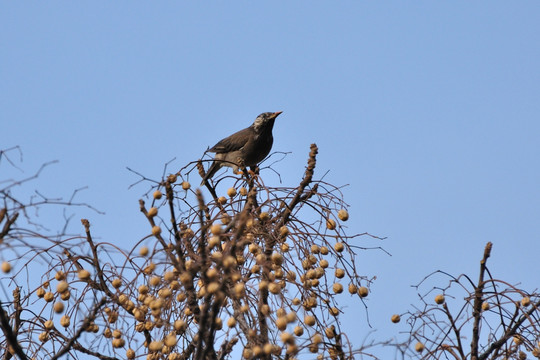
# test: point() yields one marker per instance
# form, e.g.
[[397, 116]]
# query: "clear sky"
[[428, 110]]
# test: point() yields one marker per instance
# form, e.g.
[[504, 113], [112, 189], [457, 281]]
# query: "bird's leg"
[[239, 169], [254, 172]]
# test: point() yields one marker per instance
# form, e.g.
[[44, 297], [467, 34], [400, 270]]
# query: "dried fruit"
[[65, 321], [156, 230], [58, 307], [338, 288], [363, 291], [343, 215], [309, 320], [439, 299], [330, 224], [60, 275], [143, 251], [62, 286], [49, 324], [116, 283], [84, 274], [6, 267]]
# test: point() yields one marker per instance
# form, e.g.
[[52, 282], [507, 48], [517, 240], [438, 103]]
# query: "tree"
[[478, 320], [258, 270]]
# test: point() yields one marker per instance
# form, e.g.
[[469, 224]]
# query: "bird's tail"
[[211, 171]]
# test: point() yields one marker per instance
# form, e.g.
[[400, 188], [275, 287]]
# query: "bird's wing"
[[234, 142]]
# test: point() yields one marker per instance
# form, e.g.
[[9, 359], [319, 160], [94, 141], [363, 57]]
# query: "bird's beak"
[[275, 115]]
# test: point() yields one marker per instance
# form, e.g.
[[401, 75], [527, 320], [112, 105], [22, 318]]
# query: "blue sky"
[[428, 110]]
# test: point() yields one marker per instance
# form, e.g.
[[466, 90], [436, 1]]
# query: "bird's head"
[[265, 120]]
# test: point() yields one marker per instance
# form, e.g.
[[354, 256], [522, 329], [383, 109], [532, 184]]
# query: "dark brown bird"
[[246, 147]]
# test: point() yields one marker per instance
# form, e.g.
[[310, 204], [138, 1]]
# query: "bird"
[[244, 148]]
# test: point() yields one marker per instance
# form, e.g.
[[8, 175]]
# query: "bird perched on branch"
[[246, 147]]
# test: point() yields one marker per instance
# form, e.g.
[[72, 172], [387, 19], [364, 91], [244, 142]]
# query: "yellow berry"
[[339, 246], [215, 229], [281, 323], [130, 354], [152, 211], [274, 288], [247, 353], [44, 336], [154, 281], [243, 191], [419, 347], [118, 343], [330, 332], [180, 325], [439, 299], [316, 338], [65, 295], [84, 274], [526, 301], [231, 192], [143, 251], [186, 185], [49, 296], [157, 194], [60, 275], [156, 230], [40, 292], [172, 178], [48, 325], [213, 287], [65, 321], [363, 291], [58, 307], [485, 306], [6, 267], [395, 318], [116, 283], [287, 338], [231, 322], [277, 258], [309, 320], [340, 273], [338, 288], [330, 224], [170, 340], [343, 215], [62, 286]]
